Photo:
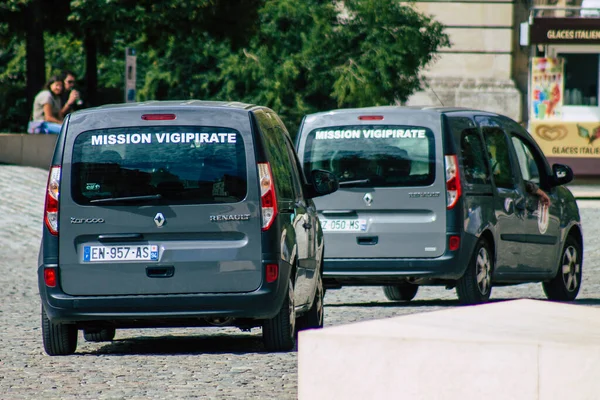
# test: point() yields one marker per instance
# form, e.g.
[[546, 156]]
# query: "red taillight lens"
[[453, 189], [158, 117], [370, 117], [50, 277], [267, 195], [453, 243], [52, 194], [272, 272]]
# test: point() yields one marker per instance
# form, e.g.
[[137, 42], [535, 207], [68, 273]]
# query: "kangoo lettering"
[[87, 220]]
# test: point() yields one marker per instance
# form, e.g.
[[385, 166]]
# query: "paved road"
[[176, 363]]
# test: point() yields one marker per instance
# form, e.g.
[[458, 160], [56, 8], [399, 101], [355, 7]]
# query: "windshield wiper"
[[355, 183], [148, 197]]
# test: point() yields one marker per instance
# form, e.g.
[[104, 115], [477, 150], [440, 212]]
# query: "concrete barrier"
[[27, 150], [522, 349]]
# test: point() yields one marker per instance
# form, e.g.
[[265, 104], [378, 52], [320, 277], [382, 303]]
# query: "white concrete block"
[[522, 349]]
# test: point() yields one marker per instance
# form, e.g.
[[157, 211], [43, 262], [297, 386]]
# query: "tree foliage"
[[294, 56]]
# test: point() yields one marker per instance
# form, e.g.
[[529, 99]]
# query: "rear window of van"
[[373, 155], [169, 165]]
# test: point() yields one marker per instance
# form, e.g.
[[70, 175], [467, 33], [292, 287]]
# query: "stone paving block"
[[521, 349]]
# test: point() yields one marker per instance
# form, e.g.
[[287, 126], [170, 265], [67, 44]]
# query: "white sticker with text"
[[175, 137]]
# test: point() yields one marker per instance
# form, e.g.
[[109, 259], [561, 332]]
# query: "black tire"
[[313, 319], [567, 282], [279, 332], [59, 339], [403, 292], [475, 286], [101, 335]]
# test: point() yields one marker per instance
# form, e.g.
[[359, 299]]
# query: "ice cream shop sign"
[[565, 31]]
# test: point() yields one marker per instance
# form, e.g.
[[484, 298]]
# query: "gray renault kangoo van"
[[441, 196], [172, 214]]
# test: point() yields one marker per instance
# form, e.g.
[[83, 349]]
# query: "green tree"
[[294, 56], [313, 55]]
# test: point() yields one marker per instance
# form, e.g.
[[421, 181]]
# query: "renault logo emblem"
[[159, 219], [368, 199]]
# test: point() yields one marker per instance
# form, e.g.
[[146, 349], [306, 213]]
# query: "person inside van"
[[532, 188]]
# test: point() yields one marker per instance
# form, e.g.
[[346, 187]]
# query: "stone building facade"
[[485, 67]]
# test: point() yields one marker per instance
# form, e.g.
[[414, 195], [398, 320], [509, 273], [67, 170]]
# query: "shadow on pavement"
[[587, 302], [181, 345], [389, 303]]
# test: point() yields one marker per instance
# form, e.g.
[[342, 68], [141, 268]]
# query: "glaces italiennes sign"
[[565, 30]]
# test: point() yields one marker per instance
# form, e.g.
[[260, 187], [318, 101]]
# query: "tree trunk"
[[91, 68], [36, 60]]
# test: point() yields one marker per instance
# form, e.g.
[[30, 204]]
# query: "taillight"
[[50, 277], [453, 243], [272, 273], [370, 117], [52, 193], [268, 198], [453, 189], [158, 117]]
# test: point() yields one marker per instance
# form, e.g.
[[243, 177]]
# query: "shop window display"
[[581, 79]]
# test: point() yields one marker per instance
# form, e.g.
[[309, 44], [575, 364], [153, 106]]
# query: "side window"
[[277, 155], [529, 168], [296, 172], [471, 153], [474, 162], [498, 153]]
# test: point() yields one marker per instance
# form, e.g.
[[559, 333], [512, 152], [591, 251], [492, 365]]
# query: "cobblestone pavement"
[[177, 363]]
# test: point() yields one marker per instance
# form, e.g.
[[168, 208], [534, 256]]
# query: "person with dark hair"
[[46, 115], [71, 97]]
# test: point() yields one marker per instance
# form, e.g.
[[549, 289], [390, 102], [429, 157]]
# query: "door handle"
[[160, 272], [307, 225], [367, 240], [120, 237]]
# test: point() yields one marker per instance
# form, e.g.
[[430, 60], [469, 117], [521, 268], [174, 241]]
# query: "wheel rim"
[[484, 268], [292, 310], [570, 269]]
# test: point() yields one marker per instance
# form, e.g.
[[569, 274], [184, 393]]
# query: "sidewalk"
[[585, 191]]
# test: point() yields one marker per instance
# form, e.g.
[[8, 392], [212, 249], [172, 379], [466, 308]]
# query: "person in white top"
[[47, 106]]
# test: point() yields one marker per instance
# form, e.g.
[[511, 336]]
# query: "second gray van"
[[438, 196]]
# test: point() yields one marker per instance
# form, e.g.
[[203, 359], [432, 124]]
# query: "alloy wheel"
[[570, 269], [484, 271]]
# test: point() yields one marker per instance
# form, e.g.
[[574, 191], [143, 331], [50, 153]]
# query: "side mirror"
[[561, 174], [323, 182]]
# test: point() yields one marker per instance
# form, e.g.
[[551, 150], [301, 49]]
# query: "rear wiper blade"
[[148, 197], [356, 182]]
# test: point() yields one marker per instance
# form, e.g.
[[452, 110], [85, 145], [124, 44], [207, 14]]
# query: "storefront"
[[564, 90]]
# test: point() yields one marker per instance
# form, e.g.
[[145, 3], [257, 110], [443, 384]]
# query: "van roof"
[[401, 109], [171, 104]]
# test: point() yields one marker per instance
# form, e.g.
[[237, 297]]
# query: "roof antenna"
[[436, 96]]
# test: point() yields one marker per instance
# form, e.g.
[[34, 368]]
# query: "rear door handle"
[[160, 272], [122, 237], [339, 213], [367, 240], [307, 225]]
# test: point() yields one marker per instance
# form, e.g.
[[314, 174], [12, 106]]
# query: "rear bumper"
[[381, 271], [152, 310]]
